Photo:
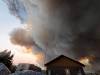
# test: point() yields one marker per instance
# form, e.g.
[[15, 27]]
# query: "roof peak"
[[60, 56]]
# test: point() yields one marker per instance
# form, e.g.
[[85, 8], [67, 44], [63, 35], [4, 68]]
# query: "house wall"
[[65, 71], [56, 71]]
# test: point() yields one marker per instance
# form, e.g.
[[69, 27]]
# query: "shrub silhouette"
[[6, 58]]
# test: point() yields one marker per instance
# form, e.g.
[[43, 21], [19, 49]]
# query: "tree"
[[6, 58]]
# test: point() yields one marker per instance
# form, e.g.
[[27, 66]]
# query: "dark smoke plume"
[[69, 27]]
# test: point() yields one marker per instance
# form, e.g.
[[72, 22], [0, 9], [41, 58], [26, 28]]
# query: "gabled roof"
[[61, 56]]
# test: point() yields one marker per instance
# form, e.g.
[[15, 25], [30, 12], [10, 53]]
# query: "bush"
[[6, 58]]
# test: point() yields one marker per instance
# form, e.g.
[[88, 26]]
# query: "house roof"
[[61, 56]]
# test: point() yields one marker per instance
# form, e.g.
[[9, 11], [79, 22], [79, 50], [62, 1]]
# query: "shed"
[[63, 65]]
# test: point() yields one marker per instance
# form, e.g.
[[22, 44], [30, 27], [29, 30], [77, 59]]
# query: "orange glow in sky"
[[85, 61]]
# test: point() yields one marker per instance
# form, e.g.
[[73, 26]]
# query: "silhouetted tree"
[[6, 58]]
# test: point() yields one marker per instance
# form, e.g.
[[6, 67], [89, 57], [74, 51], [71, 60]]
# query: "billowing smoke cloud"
[[69, 27], [20, 36]]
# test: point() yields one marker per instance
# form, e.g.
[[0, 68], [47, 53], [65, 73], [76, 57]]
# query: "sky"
[[7, 23]]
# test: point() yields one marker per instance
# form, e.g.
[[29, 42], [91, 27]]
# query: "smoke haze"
[[62, 26]]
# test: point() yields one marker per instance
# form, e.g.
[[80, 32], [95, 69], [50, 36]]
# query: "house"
[[63, 65]]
